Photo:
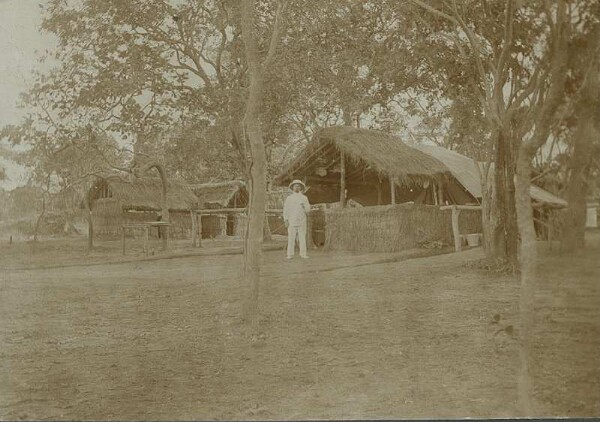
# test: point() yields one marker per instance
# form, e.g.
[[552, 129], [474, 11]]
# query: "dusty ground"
[[342, 339], [60, 251]]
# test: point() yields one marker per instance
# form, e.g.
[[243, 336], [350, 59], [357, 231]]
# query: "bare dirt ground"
[[60, 251], [342, 339]]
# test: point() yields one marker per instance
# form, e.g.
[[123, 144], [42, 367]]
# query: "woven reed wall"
[[392, 228], [181, 225], [107, 218], [214, 226]]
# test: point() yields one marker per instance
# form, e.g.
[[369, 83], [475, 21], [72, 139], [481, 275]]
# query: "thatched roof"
[[221, 194], [369, 150], [464, 170], [145, 193], [462, 167]]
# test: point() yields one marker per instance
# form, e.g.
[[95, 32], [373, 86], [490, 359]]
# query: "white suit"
[[295, 210]]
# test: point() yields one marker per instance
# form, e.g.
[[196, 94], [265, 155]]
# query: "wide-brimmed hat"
[[298, 182]]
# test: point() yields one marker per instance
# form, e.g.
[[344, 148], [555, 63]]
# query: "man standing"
[[295, 210]]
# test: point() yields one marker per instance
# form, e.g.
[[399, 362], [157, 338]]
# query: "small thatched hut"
[[230, 194], [115, 201], [221, 195]]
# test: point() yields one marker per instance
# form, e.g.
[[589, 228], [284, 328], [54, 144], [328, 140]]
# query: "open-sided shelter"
[[227, 196], [546, 206], [464, 170], [115, 201]]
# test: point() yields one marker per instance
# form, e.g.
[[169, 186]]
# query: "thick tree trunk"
[[505, 243], [489, 218], [579, 165]]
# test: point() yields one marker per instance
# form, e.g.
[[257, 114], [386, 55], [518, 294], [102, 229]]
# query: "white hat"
[[298, 182]]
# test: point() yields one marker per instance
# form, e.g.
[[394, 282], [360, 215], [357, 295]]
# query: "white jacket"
[[295, 209]]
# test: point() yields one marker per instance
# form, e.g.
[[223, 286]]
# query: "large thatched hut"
[[115, 201], [367, 166], [379, 194], [383, 195], [227, 196]]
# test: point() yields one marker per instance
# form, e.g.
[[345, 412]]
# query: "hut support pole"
[[194, 229], [455, 229], [165, 239], [393, 191], [199, 220], [440, 194], [147, 240], [342, 179], [123, 239]]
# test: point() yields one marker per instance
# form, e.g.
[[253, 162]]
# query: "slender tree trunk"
[[90, 221], [38, 222], [528, 248], [528, 260], [258, 162], [163, 200]]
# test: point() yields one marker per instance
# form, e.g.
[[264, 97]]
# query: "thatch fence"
[[392, 228]]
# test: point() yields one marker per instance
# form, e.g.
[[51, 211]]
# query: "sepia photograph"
[[299, 209]]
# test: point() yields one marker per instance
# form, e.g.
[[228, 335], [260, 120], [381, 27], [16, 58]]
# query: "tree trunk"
[[267, 235], [579, 165], [258, 160], [528, 262], [488, 211], [38, 221], [499, 235], [90, 221], [163, 200]]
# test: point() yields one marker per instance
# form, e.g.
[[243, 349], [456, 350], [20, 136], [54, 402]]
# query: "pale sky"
[[20, 40]]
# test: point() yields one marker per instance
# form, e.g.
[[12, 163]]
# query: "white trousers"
[[293, 233]]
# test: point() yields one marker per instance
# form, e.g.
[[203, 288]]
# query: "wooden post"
[[455, 229], [435, 194], [123, 238], [342, 179], [194, 230], [310, 243], [147, 240], [199, 220], [393, 191], [165, 239], [440, 194]]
